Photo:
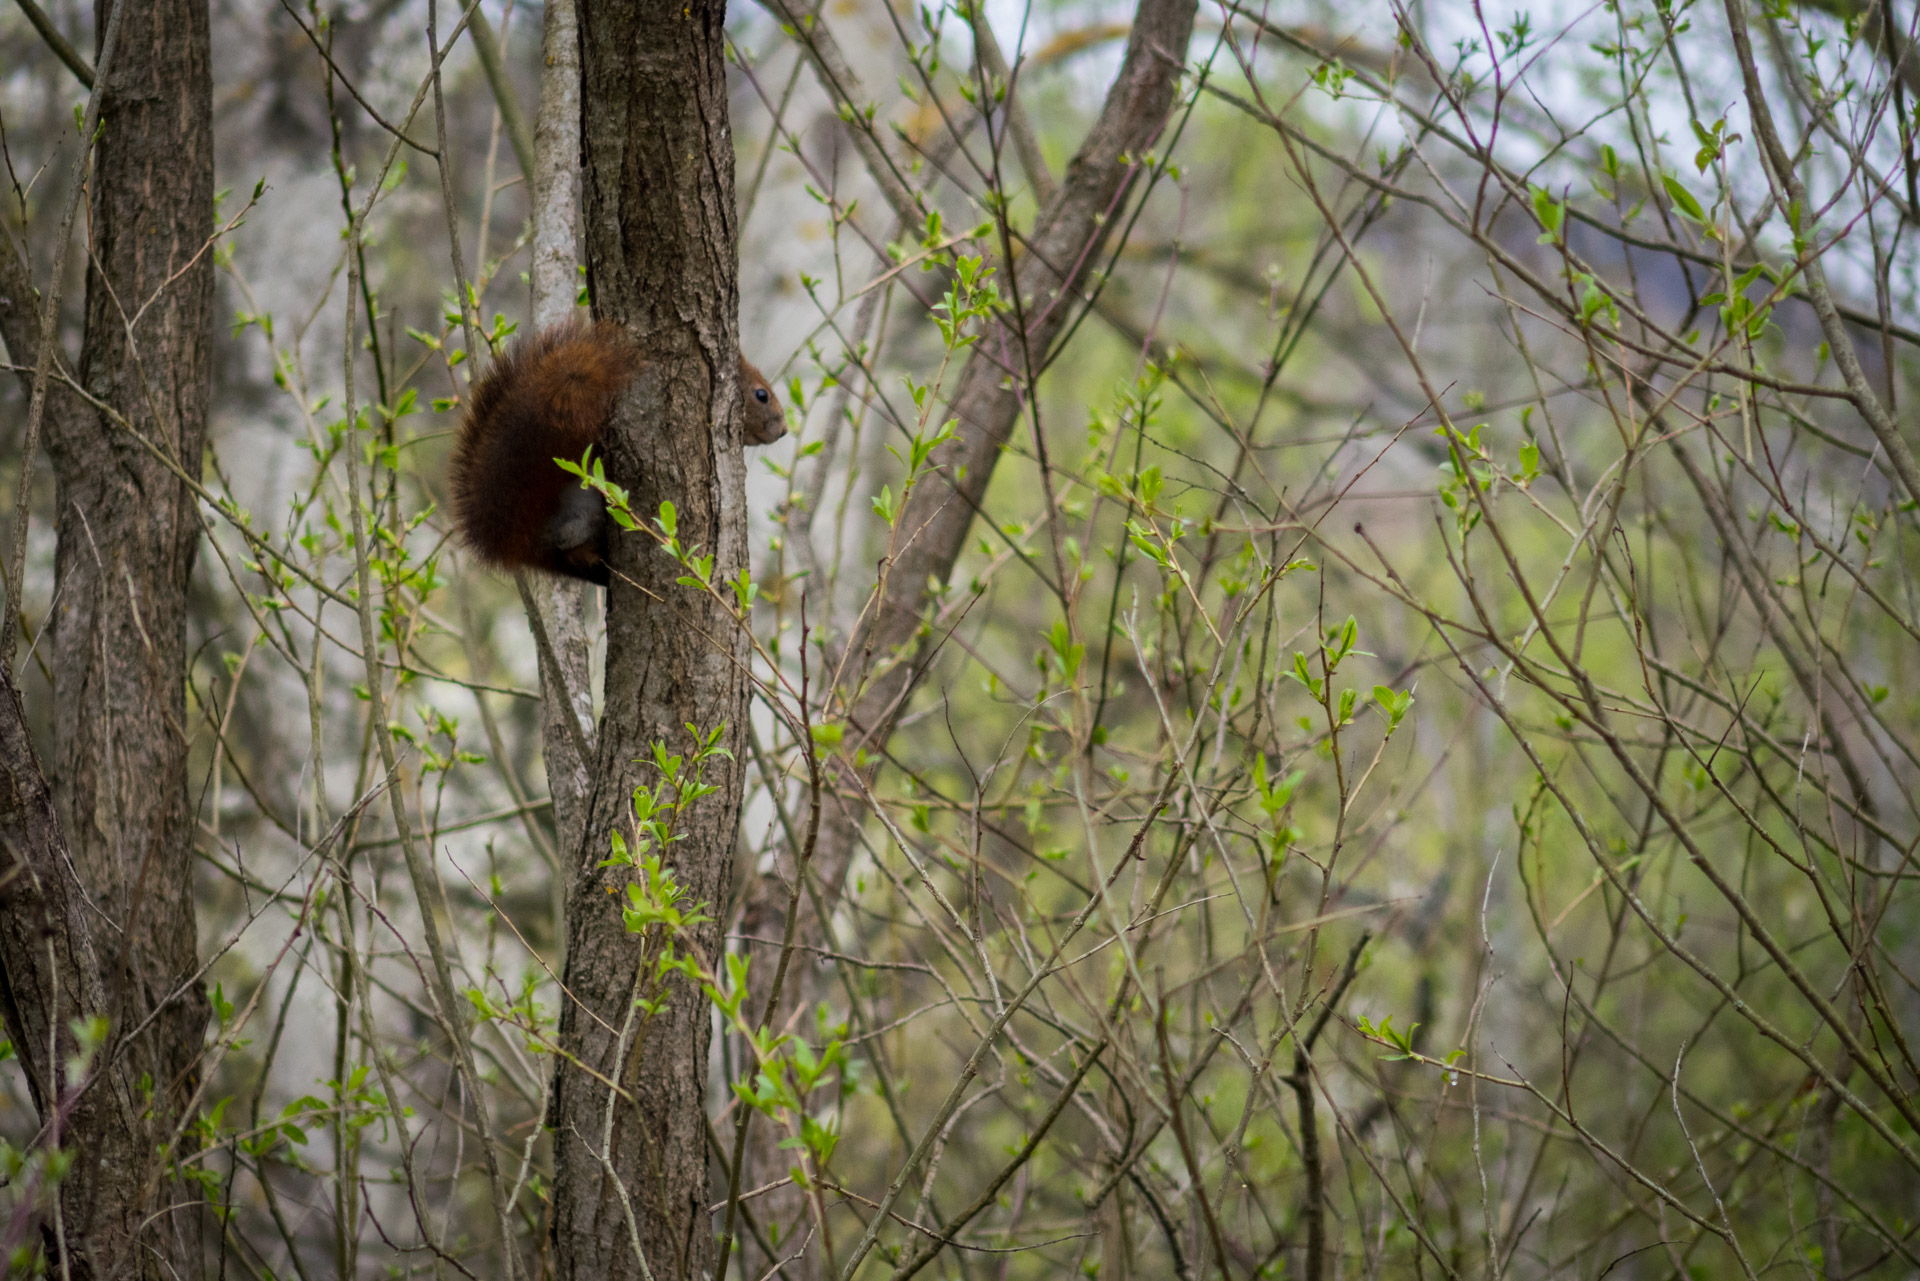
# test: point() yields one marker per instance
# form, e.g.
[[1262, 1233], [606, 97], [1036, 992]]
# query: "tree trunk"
[[661, 237], [50, 982], [127, 533]]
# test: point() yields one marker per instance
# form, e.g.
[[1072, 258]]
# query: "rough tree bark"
[[661, 238], [51, 969], [120, 830]]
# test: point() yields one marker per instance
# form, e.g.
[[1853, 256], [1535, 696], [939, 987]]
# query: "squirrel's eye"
[[760, 394]]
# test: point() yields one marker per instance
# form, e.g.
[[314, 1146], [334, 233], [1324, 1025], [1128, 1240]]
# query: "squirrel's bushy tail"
[[548, 397]]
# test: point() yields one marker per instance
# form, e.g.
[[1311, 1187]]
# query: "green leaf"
[[1683, 199]]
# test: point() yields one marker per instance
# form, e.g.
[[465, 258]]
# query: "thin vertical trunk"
[[560, 603]]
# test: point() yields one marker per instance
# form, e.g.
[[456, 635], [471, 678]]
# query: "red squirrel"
[[550, 397]]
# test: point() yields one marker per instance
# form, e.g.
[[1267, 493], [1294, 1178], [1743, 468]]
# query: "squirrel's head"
[[765, 421]]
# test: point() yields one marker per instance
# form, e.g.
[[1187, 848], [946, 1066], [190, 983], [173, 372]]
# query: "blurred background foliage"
[[1458, 659]]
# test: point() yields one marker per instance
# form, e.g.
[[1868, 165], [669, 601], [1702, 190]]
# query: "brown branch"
[[1175, 1114], [931, 1246], [1066, 240], [1792, 195], [1314, 1207], [1061, 251], [61, 46], [352, 90], [1883, 31], [487, 46], [843, 86]]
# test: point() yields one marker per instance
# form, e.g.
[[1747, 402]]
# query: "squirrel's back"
[[548, 397]]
